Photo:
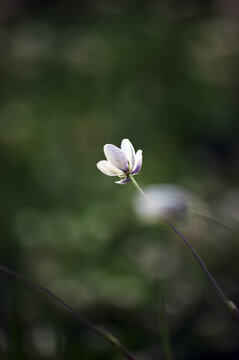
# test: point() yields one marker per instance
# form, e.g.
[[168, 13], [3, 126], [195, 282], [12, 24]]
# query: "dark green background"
[[75, 75]]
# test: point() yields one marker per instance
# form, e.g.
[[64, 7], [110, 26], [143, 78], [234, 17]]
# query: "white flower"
[[121, 162]]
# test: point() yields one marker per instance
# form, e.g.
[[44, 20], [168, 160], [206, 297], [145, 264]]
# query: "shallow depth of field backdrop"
[[75, 75]]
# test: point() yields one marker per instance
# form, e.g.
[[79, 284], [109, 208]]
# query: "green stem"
[[229, 304], [99, 330], [167, 349]]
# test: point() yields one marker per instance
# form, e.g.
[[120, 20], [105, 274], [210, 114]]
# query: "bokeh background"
[[74, 76]]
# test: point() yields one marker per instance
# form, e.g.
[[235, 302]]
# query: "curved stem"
[[99, 330], [215, 219], [229, 304]]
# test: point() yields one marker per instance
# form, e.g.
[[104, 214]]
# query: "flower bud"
[[165, 200]]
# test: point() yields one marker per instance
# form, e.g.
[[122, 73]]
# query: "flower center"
[[129, 167]]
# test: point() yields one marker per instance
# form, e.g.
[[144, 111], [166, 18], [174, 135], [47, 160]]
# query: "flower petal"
[[138, 162], [124, 181], [128, 149], [108, 169], [116, 157]]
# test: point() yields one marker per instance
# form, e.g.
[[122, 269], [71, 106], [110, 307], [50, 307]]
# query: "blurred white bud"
[[165, 199]]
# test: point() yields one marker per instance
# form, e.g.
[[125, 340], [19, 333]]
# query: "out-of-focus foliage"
[[74, 76]]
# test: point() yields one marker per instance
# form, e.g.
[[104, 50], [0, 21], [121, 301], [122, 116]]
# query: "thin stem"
[[163, 324], [138, 187], [202, 264], [215, 219], [99, 330], [229, 304]]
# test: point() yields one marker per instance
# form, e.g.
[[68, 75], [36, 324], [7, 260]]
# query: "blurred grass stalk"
[[229, 304], [99, 330], [164, 332], [206, 215]]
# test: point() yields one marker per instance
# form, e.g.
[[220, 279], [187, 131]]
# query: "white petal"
[[138, 162], [108, 169], [123, 181], [128, 149], [116, 157]]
